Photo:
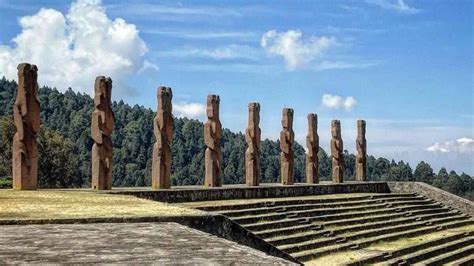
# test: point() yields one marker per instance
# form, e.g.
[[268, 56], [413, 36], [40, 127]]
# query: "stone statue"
[[26, 116], [287, 139], [312, 143], [336, 152], [163, 129], [361, 146], [252, 154], [101, 128], [212, 139]]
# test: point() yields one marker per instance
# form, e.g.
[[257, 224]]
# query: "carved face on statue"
[[212, 109], [164, 96], [104, 94], [336, 129], [287, 119], [361, 127], [312, 121], [254, 111]]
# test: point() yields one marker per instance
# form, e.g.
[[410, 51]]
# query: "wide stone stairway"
[[308, 228]]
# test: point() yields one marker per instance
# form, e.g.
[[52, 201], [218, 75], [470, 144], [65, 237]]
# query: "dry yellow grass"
[[340, 258], [410, 241], [55, 204]]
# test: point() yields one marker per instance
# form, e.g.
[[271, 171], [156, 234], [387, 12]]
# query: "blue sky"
[[404, 66]]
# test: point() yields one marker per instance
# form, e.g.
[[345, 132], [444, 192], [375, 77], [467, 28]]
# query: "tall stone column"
[[336, 152], [26, 116], [212, 139], [287, 139], [163, 130], [252, 154], [312, 143], [361, 146], [101, 128]]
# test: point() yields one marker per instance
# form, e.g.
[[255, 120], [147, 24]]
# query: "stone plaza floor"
[[122, 243]]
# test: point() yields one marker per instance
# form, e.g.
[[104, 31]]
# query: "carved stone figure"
[[312, 143], [287, 139], [361, 146], [26, 116], [252, 154], [212, 139], [101, 128], [163, 129], [336, 152]]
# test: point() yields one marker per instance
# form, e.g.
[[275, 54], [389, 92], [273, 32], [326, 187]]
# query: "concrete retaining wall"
[[434, 193], [243, 192]]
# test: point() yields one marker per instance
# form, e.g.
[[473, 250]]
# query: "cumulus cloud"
[[396, 5], [71, 49], [461, 145], [189, 110], [295, 50], [338, 102]]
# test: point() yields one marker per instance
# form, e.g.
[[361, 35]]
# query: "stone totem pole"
[[26, 116], [101, 128], [312, 143], [336, 152], [287, 139], [212, 139], [252, 154], [361, 146], [163, 130]]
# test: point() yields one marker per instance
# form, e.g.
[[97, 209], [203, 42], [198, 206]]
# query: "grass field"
[[60, 204]]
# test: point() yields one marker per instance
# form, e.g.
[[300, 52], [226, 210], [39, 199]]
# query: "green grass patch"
[[60, 204]]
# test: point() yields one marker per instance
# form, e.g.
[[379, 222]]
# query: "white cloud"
[[296, 51], [338, 102], [461, 145], [396, 5], [232, 51], [189, 110], [71, 49]]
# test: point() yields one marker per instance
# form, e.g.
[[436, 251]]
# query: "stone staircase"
[[309, 228]]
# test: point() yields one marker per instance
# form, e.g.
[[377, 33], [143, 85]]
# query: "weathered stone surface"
[[163, 130], [101, 128], [336, 152], [123, 243], [252, 154], [361, 157], [287, 139], [312, 143], [212, 139], [26, 116]]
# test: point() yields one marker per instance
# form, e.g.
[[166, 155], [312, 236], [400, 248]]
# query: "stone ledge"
[[245, 192], [214, 224]]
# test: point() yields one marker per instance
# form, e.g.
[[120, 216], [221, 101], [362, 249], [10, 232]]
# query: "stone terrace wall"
[[242, 192], [434, 193]]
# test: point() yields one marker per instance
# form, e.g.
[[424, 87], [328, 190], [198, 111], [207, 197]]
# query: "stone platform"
[[112, 243], [229, 192]]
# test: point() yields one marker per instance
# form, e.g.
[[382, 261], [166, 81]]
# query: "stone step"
[[409, 233], [262, 210], [466, 261], [433, 251], [449, 257], [269, 233], [371, 226], [352, 215], [410, 249], [260, 218], [272, 203], [410, 202], [319, 212], [261, 226], [296, 238], [310, 244], [405, 227], [364, 219], [428, 211], [307, 255]]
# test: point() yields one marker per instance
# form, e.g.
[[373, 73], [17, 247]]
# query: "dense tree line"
[[65, 144]]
